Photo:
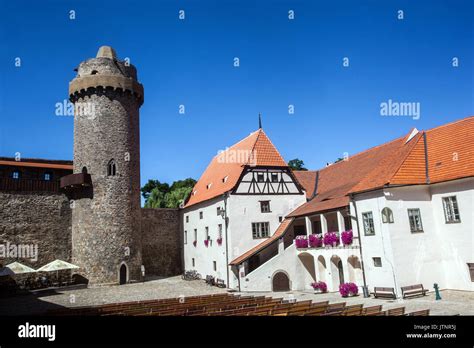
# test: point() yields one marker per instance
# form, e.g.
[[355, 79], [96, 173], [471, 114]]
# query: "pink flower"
[[219, 241], [331, 239], [301, 242], [348, 289], [347, 237], [320, 285], [195, 243], [315, 241], [206, 242]]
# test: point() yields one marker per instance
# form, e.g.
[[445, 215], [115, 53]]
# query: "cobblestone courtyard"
[[453, 302]]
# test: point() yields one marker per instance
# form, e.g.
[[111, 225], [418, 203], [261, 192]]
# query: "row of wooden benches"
[[407, 291], [232, 305]]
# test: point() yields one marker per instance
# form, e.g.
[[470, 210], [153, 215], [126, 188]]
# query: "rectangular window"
[[260, 230], [201, 215], [218, 210], [16, 175], [260, 177], [451, 210], [377, 261], [265, 206], [280, 218], [185, 237], [195, 234], [274, 177], [368, 220], [219, 231], [215, 265], [193, 262], [187, 218], [471, 270], [47, 176], [207, 233], [414, 216]]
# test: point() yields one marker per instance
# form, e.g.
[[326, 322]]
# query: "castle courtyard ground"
[[452, 303]]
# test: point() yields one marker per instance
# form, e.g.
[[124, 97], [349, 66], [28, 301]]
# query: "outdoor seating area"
[[17, 278], [233, 305]]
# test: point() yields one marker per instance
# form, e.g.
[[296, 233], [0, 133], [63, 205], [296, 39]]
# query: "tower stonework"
[[105, 188]]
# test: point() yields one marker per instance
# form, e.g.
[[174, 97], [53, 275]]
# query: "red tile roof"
[[307, 179], [37, 163], [225, 169], [280, 231], [450, 153]]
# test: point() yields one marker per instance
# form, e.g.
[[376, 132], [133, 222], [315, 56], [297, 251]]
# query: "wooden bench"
[[384, 292], [413, 290], [372, 310], [423, 312], [395, 311]]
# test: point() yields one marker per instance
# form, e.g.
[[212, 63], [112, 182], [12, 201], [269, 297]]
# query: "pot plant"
[[331, 239], [347, 237], [348, 289], [301, 242], [315, 241], [319, 287]]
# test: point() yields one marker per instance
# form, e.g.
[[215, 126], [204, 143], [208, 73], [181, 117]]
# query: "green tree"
[[152, 184], [162, 195], [296, 164]]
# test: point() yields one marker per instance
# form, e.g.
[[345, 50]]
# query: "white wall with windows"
[[430, 240]]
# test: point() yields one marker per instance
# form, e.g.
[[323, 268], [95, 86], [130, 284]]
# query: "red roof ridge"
[[270, 141], [467, 118]]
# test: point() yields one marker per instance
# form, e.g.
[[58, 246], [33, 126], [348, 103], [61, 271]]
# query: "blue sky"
[[282, 62]]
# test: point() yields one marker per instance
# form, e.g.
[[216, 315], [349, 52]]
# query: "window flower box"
[[315, 241], [319, 287], [301, 242], [347, 237], [331, 239], [348, 289]]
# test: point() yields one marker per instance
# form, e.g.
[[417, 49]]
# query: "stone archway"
[[280, 281], [123, 273], [309, 273], [337, 272], [322, 268], [354, 269]]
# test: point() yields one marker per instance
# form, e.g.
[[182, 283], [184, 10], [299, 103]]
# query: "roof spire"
[[259, 120]]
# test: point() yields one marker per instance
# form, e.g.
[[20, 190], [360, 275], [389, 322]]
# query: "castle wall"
[[42, 219], [161, 242]]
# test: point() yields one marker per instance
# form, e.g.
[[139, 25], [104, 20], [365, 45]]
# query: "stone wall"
[[161, 242], [42, 219]]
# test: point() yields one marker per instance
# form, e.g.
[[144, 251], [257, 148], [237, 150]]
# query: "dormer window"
[[225, 179], [111, 168], [209, 186]]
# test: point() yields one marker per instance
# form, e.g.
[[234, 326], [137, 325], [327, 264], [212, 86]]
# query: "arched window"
[[387, 215], [84, 170], [111, 168]]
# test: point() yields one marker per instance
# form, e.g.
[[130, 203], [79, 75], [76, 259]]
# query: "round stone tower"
[[105, 186]]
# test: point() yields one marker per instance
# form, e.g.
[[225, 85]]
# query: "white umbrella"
[[57, 265], [18, 268]]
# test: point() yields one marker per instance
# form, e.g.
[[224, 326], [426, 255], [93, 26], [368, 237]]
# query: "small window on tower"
[[111, 168]]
